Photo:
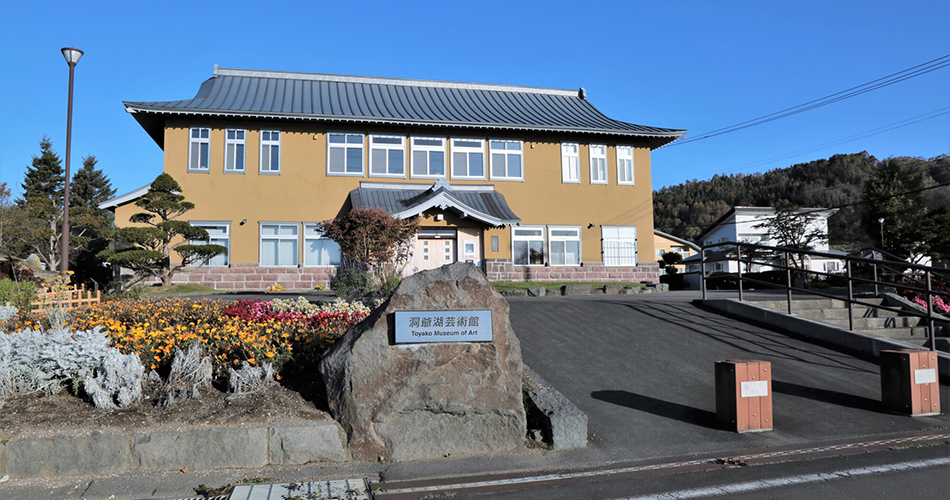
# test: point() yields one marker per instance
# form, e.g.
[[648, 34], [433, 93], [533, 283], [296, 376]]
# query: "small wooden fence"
[[70, 298]]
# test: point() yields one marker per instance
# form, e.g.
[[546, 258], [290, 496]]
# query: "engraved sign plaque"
[[755, 389], [421, 327], [928, 376]]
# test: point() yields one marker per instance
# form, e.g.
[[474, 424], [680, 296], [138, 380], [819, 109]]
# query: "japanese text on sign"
[[414, 327]]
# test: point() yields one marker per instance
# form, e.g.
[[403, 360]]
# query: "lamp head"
[[72, 55]]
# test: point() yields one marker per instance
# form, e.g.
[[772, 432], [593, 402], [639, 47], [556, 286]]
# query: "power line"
[[885, 81], [819, 210], [844, 140]]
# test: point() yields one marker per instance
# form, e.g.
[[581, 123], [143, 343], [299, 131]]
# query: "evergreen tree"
[[90, 227], [90, 186], [44, 177], [147, 248]]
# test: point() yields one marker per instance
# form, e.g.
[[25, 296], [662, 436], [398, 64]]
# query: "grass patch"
[[184, 288], [502, 286]]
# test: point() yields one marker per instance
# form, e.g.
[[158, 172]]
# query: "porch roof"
[[481, 203]]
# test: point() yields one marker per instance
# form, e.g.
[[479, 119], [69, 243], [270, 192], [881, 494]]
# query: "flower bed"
[[941, 305], [252, 331]]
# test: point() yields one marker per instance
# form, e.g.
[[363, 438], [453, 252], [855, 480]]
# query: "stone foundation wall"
[[253, 277], [503, 270]]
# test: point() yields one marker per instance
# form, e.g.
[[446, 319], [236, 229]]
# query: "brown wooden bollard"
[[909, 382], [744, 395]]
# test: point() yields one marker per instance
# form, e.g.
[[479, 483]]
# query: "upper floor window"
[[527, 246], [234, 146], [570, 162], [468, 159], [319, 250], [387, 156], [344, 154], [270, 152], [598, 164], [428, 157], [199, 147], [506, 160], [625, 165]]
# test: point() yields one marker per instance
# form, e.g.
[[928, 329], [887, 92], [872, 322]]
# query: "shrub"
[[117, 381], [20, 295], [352, 284]]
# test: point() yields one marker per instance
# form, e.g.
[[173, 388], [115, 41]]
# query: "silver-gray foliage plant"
[[33, 361], [118, 380], [190, 372], [249, 379], [7, 312]]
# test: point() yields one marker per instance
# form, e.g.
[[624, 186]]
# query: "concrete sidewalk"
[[640, 367]]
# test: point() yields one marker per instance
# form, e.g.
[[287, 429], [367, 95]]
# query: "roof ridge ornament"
[[441, 184], [582, 93]]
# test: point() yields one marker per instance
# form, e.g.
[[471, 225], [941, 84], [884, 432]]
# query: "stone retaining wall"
[[100, 453], [504, 270], [241, 277]]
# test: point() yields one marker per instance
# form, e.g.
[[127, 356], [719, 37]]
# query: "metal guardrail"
[[783, 258]]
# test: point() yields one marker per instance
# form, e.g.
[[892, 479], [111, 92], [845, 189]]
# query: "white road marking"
[[765, 484]]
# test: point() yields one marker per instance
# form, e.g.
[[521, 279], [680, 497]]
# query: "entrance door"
[[433, 248]]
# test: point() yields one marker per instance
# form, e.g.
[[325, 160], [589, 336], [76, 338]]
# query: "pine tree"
[[90, 186], [148, 247], [44, 177]]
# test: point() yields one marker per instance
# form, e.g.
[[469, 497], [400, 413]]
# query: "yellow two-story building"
[[527, 183]]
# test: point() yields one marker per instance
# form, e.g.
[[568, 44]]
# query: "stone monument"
[[435, 370]]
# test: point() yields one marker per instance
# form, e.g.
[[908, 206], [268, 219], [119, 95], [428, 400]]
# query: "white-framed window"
[[598, 164], [468, 159], [428, 157], [387, 156], [564, 246], [344, 154], [199, 149], [270, 151], [235, 144], [527, 245], [279, 244], [619, 245], [507, 160], [625, 165], [570, 162], [318, 250], [219, 233]]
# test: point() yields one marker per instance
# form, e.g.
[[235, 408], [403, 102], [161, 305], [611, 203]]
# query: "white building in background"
[[746, 224]]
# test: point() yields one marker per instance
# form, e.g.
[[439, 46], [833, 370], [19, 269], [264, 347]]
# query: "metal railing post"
[[702, 270], [930, 314], [876, 290], [850, 298], [739, 260], [788, 283]]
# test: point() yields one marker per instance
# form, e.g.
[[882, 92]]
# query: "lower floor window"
[[219, 233], [319, 250], [279, 243], [527, 246], [565, 246], [619, 245]]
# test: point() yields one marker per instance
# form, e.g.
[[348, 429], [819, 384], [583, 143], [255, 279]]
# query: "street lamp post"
[[72, 56], [881, 221]]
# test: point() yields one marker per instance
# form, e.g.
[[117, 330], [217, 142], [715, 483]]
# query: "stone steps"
[[867, 320]]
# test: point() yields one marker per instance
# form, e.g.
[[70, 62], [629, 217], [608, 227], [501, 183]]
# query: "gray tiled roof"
[[482, 203], [393, 101]]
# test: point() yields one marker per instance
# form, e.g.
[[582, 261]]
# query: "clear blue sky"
[[698, 65]]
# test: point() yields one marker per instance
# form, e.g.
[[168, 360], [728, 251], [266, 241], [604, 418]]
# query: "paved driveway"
[[641, 367]]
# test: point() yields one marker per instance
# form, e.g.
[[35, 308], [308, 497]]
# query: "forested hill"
[[685, 210]]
